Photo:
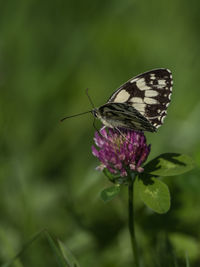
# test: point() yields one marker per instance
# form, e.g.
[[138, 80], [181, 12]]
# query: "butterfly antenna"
[[75, 115], [92, 104]]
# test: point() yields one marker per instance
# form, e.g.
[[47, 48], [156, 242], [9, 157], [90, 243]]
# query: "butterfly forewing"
[[149, 93]]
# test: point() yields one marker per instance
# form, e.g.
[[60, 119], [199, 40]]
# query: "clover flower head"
[[121, 150]]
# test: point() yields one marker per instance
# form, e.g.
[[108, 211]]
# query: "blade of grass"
[[187, 263], [26, 245], [67, 254], [57, 252]]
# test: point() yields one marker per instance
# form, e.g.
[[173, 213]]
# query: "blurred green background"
[[50, 52]]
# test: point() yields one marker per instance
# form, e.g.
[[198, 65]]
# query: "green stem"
[[131, 220]]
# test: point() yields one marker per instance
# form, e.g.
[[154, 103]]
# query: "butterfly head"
[[95, 113], [102, 116]]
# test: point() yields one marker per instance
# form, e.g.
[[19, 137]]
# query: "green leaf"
[[115, 178], [169, 164], [155, 194], [110, 192], [69, 257], [111, 176]]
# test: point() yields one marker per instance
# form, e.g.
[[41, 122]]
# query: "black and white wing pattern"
[[121, 115], [141, 103]]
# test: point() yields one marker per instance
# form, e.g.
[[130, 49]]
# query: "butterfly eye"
[[94, 113]]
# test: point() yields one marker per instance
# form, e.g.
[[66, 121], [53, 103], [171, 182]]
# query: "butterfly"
[[139, 104]]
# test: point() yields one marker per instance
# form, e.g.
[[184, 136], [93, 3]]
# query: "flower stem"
[[131, 220]]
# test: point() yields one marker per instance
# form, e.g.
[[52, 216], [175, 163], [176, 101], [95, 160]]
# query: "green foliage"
[[154, 193], [112, 177], [169, 164], [110, 193], [115, 178], [62, 258]]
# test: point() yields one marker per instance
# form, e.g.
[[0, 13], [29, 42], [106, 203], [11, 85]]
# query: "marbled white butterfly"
[[139, 104]]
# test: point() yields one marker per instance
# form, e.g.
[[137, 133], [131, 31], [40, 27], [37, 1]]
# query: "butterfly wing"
[[121, 115], [149, 93]]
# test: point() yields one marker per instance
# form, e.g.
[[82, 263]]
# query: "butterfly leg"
[[122, 135], [98, 129]]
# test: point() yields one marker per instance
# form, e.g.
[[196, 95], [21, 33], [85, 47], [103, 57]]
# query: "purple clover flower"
[[118, 152]]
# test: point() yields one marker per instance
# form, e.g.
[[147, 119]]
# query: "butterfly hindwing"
[[149, 93], [121, 115]]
